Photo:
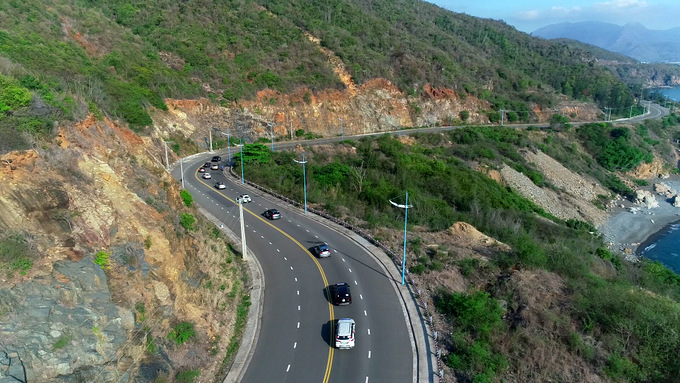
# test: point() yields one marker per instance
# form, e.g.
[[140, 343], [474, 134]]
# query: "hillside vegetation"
[[118, 58], [560, 306]]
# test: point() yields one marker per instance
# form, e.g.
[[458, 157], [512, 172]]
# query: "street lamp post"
[[167, 164], [181, 170], [271, 126], [210, 135], [242, 179], [502, 115], [403, 261], [228, 146], [342, 130], [304, 178]]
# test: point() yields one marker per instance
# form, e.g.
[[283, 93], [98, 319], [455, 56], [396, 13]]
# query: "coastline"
[[631, 232]]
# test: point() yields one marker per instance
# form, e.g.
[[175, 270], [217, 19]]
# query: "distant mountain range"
[[633, 39]]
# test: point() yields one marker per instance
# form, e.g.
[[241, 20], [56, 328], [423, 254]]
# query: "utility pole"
[[304, 178], [451, 122], [502, 116], [403, 261], [167, 164], [244, 248], [271, 126], [210, 135], [242, 179], [342, 129], [181, 170]]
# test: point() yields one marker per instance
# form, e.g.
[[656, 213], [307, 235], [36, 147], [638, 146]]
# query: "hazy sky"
[[529, 15]]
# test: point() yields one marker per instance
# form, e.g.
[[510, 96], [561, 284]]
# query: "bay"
[[672, 93], [665, 248]]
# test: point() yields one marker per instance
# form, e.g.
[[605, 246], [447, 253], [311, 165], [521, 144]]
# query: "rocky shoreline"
[[632, 226]]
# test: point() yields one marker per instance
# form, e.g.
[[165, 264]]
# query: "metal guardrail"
[[423, 305]]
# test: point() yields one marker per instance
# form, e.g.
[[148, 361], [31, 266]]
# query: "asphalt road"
[[297, 324], [295, 338]]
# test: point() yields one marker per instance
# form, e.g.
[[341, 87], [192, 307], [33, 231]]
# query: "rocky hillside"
[[97, 268]]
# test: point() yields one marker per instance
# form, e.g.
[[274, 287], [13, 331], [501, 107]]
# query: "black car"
[[216, 159], [340, 294], [272, 214], [206, 165]]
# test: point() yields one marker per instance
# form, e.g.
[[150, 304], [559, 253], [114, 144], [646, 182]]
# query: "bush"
[[182, 332], [187, 221], [188, 376], [186, 197], [464, 115], [102, 259]]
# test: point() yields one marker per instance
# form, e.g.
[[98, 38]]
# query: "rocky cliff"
[[75, 315]]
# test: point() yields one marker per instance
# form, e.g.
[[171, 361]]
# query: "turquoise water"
[[673, 93], [666, 248]]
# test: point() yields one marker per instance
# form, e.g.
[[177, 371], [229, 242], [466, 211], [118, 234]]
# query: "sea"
[[666, 247], [672, 93]]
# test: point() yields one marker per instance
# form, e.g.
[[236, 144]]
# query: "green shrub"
[[188, 376], [476, 318], [12, 95], [182, 332], [102, 259], [62, 342], [187, 221], [464, 115], [186, 197]]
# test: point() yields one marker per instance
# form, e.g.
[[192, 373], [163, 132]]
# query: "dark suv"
[[272, 214], [216, 159], [340, 294]]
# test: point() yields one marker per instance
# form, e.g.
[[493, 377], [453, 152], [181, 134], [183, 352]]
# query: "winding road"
[[293, 339], [294, 343]]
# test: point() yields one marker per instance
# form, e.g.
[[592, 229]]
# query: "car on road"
[[216, 159], [243, 198], [344, 333], [215, 167], [220, 185], [201, 170], [272, 214], [322, 250], [207, 176], [341, 294], [206, 165]]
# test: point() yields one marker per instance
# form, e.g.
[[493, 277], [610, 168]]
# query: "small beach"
[[627, 231]]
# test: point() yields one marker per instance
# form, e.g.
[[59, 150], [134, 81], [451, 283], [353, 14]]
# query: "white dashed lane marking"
[[361, 296], [295, 279], [355, 283], [298, 324], [298, 292], [288, 369], [369, 331], [298, 307], [365, 313], [295, 345], [285, 258], [369, 354]]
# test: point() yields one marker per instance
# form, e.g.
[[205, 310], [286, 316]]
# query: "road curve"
[[294, 343]]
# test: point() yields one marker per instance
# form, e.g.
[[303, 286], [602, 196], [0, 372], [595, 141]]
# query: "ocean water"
[[666, 248], [673, 92]]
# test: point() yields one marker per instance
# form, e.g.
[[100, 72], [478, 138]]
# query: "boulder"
[[663, 189], [646, 199], [676, 200]]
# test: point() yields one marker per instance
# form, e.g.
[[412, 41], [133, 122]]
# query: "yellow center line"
[[331, 352]]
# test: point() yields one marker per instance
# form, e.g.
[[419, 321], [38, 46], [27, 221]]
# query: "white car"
[[207, 176], [243, 198], [215, 167], [344, 333], [220, 185]]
